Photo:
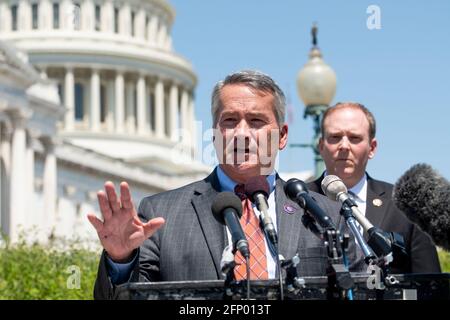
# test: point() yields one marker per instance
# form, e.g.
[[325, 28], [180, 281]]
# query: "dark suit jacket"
[[190, 244], [422, 252]]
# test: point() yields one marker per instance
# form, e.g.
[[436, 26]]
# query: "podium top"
[[406, 286]]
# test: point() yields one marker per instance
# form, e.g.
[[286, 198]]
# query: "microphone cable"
[[247, 263]]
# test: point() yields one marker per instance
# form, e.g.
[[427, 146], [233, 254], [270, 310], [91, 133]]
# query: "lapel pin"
[[288, 209], [377, 202]]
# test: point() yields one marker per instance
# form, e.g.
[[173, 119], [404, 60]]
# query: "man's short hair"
[[255, 80], [353, 105]]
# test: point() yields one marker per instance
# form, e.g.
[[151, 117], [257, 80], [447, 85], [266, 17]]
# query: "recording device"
[[381, 242], [257, 190], [424, 197], [297, 191], [228, 207]]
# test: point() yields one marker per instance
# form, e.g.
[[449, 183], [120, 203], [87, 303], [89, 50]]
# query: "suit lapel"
[[287, 221], [213, 231], [316, 185], [376, 205]]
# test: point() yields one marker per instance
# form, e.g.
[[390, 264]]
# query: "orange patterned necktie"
[[255, 237]]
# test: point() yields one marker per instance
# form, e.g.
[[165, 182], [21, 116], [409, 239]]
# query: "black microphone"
[[424, 197], [228, 207], [257, 190], [297, 191]]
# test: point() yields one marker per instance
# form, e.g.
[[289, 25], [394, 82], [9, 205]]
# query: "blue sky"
[[400, 72]]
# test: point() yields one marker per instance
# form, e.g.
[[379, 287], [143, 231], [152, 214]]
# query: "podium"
[[406, 287]]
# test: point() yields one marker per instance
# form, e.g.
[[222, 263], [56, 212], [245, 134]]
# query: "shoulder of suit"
[[381, 185], [189, 188]]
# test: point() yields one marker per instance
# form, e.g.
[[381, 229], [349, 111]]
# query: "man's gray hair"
[[255, 80]]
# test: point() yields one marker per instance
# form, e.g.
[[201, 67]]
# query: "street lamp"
[[316, 84]]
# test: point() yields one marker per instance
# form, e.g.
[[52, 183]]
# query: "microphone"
[[297, 191], [424, 197], [335, 189], [228, 207], [381, 242], [257, 190]]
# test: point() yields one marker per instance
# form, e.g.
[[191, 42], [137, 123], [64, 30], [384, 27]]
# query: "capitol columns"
[[159, 108], [142, 127], [173, 112], [18, 172], [6, 130], [107, 17], [69, 98], [152, 28], [44, 15], [130, 106], [119, 100], [31, 137], [94, 117], [192, 123], [184, 115], [50, 182], [24, 15]]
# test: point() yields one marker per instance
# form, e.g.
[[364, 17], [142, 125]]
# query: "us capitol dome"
[[89, 91]]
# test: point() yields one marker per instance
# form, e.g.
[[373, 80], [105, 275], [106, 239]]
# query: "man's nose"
[[242, 128], [344, 143], [242, 133]]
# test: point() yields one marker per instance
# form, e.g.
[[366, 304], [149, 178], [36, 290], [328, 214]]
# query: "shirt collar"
[[360, 189], [227, 184]]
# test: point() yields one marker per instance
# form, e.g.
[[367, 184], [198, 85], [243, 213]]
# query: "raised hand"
[[121, 230]]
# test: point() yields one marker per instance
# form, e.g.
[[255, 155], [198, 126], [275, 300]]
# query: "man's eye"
[[355, 139], [257, 121], [228, 120]]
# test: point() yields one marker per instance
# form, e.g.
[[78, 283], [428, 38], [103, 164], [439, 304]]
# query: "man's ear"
[[283, 136], [373, 148], [320, 145]]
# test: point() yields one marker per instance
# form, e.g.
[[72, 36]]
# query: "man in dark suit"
[[174, 235], [347, 143]]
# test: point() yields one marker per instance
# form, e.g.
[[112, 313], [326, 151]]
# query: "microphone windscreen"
[[256, 184], [424, 197], [332, 186], [293, 187], [226, 200]]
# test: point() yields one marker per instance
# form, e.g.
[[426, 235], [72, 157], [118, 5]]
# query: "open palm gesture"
[[121, 230]]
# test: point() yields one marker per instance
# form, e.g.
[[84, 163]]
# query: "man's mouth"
[[237, 150]]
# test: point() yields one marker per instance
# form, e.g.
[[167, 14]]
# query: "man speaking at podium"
[[173, 236]]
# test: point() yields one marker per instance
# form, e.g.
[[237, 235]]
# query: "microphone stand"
[[369, 255], [280, 277], [274, 241], [227, 266], [388, 247], [340, 281]]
